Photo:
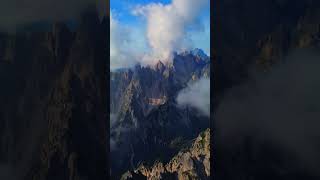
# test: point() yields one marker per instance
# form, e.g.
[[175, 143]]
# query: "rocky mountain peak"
[[199, 52], [143, 100], [190, 163], [160, 66]]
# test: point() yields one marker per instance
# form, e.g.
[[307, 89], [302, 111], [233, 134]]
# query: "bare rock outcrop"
[[189, 164]]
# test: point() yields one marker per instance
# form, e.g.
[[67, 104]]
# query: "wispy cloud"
[[197, 95], [121, 54], [281, 108]]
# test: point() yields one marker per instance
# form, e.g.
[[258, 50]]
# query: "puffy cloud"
[[167, 30], [167, 26], [197, 95]]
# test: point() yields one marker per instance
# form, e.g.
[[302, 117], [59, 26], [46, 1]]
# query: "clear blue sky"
[[122, 9]]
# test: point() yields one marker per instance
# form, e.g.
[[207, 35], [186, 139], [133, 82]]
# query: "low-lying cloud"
[[115, 130], [167, 27], [281, 108], [197, 95], [113, 119]]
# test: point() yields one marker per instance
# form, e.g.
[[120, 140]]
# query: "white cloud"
[[121, 54], [197, 95], [167, 26]]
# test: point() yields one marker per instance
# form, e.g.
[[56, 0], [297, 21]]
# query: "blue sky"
[[123, 8], [136, 27]]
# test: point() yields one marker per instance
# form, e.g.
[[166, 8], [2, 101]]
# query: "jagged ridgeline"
[[148, 124], [53, 101], [190, 163]]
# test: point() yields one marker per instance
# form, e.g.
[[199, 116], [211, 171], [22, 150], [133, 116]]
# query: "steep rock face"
[[146, 114], [192, 163], [53, 105], [159, 83], [155, 82]]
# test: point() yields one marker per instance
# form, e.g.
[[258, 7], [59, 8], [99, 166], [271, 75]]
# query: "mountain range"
[[147, 122]]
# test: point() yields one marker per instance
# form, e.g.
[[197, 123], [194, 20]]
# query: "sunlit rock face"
[[157, 101], [190, 163]]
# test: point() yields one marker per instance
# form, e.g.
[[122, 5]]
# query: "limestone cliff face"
[[53, 102], [191, 163]]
